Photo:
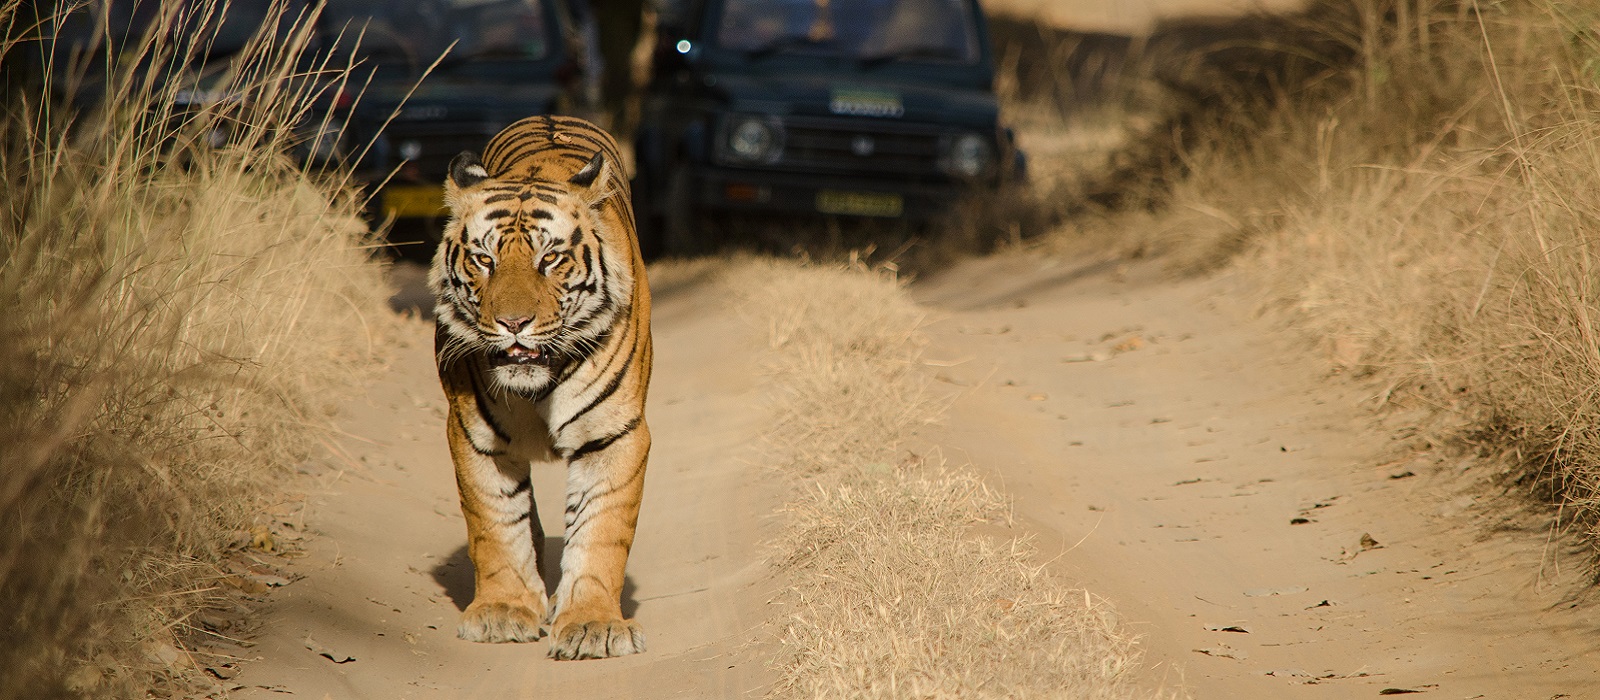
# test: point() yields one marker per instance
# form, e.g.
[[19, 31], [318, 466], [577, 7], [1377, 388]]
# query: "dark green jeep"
[[854, 108]]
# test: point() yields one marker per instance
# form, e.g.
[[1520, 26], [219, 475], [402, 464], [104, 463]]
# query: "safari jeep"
[[506, 59], [855, 108]]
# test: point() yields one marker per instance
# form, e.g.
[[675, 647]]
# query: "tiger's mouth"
[[519, 354]]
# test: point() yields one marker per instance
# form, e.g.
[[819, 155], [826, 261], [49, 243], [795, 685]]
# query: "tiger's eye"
[[551, 258], [483, 259]]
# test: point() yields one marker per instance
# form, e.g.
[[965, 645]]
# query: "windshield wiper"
[[784, 43], [912, 52]]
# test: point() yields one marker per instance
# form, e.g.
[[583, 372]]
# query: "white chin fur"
[[522, 378]]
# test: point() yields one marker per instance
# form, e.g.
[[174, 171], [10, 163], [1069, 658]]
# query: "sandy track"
[[1164, 446], [386, 575], [1130, 16], [1156, 438]]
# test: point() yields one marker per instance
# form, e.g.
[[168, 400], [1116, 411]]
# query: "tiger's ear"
[[596, 170], [466, 170], [590, 171]]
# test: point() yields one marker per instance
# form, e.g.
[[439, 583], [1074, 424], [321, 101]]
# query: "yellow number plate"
[[860, 203], [413, 200]]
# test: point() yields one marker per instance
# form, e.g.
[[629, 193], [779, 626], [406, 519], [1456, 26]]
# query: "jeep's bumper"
[[747, 190]]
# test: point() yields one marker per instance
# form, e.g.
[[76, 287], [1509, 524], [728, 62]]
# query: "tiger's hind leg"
[[505, 541], [603, 492]]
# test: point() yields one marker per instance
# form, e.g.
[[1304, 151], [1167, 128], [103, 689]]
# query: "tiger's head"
[[529, 271]]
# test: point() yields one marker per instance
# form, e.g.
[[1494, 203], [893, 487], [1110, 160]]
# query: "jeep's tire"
[[647, 223], [682, 230]]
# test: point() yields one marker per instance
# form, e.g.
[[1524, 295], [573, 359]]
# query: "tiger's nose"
[[514, 325]]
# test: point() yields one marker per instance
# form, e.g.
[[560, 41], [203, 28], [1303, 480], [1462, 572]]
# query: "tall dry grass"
[[895, 594], [1429, 211], [178, 317]]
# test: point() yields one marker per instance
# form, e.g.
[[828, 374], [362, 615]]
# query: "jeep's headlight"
[[753, 139], [323, 141], [967, 156]]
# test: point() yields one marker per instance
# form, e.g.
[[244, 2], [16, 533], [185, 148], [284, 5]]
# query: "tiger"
[[542, 341]]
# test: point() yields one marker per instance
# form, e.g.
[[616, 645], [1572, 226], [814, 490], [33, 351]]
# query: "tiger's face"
[[521, 272]]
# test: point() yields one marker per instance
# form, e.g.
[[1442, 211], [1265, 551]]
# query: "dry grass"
[[896, 595], [178, 318], [1429, 213]]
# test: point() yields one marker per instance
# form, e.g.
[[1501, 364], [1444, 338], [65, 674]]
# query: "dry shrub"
[[1430, 212], [895, 595], [1109, 121], [178, 319], [857, 341]]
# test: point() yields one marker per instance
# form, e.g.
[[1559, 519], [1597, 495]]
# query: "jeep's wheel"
[[683, 230], [646, 221]]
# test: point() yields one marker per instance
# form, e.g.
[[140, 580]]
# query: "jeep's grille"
[[837, 146], [437, 143]]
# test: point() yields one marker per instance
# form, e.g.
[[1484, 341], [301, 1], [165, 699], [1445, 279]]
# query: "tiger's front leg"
[[605, 482], [504, 539]]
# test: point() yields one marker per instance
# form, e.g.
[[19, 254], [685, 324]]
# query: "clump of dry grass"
[[178, 319], [895, 594], [1429, 212]]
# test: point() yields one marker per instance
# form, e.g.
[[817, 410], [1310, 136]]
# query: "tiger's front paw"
[[499, 622], [596, 639]]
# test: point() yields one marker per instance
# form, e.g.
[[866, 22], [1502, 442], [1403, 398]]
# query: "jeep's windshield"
[[195, 30], [874, 31], [419, 32]]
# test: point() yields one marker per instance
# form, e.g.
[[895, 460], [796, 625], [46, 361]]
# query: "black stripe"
[[523, 486], [499, 214], [483, 406], [597, 272], [610, 388], [547, 199], [601, 443], [526, 515], [499, 198], [575, 514], [542, 214], [461, 420]]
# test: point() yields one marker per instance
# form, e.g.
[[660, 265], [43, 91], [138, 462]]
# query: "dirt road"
[[1251, 519], [1256, 525]]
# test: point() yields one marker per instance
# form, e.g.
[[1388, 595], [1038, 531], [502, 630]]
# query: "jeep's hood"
[[444, 98], [858, 94]]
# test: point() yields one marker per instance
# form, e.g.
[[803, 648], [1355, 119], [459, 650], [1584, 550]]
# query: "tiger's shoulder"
[[553, 148]]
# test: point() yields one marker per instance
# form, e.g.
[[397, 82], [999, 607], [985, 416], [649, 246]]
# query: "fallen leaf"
[[325, 652], [223, 672], [1264, 592], [261, 539], [1223, 651], [1400, 691], [1129, 345], [268, 580], [1300, 521], [1241, 629], [1347, 352], [1367, 542], [1403, 475], [211, 620], [1091, 357]]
